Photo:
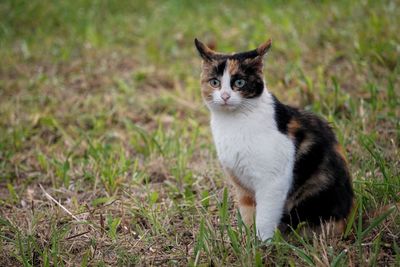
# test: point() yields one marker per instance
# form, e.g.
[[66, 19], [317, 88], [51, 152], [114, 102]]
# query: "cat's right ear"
[[264, 48], [205, 52]]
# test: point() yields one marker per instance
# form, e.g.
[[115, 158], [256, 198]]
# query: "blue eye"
[[240, 83], [215, 83]]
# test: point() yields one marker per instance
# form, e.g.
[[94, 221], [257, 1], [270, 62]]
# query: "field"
[[106, 156]]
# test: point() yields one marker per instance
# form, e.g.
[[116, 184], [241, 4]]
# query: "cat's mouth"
[[224, 105], [227, 105]]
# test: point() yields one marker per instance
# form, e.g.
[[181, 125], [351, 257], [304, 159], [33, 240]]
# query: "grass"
[[100, 108]]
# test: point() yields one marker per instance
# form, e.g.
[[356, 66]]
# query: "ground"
[[106, 156]]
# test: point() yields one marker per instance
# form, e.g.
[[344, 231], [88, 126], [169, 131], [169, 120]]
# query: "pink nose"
[[225, 96]]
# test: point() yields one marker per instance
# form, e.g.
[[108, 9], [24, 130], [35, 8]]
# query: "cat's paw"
[[265, 235]]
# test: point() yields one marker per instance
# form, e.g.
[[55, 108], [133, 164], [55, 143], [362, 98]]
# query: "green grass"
[[100, 105]]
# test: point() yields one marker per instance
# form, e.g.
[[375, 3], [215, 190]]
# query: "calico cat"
[[286, 164]]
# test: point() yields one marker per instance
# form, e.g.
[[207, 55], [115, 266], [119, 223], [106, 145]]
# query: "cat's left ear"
[[264, 48], [205, 52]]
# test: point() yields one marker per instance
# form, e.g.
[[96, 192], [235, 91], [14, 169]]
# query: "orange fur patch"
[[206, 89], [247, 200], [293, 126], [339, 149], [233, 66]]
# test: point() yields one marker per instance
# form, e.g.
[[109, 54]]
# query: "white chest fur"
[[249, 144]]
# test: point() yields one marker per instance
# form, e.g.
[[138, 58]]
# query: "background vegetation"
[[106, 156]]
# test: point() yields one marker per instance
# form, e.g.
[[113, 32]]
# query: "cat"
[[286, 164]]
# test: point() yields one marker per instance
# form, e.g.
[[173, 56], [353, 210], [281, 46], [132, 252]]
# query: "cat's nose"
[[225, 96]]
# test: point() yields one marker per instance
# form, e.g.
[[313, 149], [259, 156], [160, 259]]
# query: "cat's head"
[[231, 81]]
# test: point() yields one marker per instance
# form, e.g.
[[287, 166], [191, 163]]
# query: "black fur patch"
[[237, 56], [244, 55], [321, 188], [253, 87], [283, 115], [219, 69]]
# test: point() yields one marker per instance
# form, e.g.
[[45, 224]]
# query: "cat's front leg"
[[245, 198], [246, 203], [270, 202]]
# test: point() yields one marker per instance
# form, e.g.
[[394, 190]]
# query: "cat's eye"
[[240, 83], [215, 83]]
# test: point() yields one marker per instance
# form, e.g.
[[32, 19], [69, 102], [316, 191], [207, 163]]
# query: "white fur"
[[249, 145]]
